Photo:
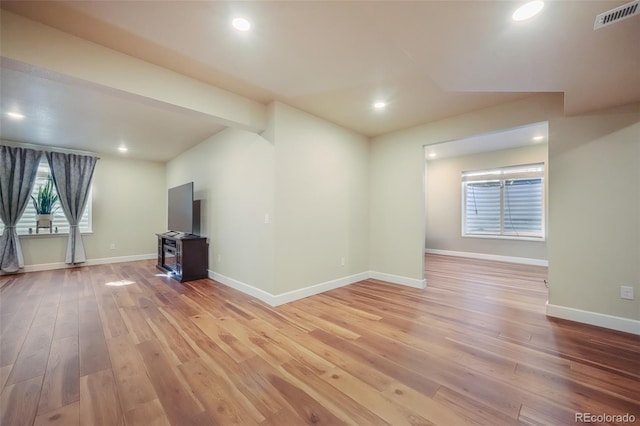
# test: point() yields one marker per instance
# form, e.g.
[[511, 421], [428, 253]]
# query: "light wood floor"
[[80, 347]]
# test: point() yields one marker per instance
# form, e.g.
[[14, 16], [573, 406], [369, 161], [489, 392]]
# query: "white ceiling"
[[428, 59], [72, 116]]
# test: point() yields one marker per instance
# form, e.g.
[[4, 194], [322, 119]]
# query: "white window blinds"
[[507, 202]]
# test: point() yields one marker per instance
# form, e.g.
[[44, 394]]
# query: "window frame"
[[503, 174], [59, 215]]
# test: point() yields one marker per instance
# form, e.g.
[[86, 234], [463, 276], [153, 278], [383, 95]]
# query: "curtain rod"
[[47, 148]]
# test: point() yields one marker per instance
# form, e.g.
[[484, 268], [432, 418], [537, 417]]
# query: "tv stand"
[[178, 235], [184, 257]]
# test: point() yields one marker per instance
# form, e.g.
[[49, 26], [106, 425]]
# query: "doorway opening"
[[485, 198]]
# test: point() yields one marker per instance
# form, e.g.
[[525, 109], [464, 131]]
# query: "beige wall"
[[129, 207], [322, 198], [309, 176], [397, 178], [594, 244], [233, 175], [444, 203], [593, 247], [397, 212]]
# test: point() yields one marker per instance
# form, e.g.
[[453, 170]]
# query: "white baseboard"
[[271, 299], [496, 257], [594, 318], [290, 296], [89, 262], [396, 279], [265, 296]]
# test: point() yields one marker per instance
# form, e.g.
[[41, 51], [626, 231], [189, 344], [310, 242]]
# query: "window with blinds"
[[28, 219], [505, 202]]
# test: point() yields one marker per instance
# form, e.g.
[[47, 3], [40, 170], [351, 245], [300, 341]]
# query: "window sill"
[[506, 237], [47, 235]]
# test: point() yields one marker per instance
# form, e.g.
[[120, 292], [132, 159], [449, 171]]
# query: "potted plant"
[[45, 204]]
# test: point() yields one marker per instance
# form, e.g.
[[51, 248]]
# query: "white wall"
[[444, 203], [322, 199], [129, 207], [233, 175]]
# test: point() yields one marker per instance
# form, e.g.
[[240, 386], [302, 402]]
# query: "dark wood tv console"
[[183, 257]]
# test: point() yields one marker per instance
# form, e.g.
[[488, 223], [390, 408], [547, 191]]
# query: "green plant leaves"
[[46, 199]]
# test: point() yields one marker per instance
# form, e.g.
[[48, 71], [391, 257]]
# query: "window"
[[28, 219], [507, 202]]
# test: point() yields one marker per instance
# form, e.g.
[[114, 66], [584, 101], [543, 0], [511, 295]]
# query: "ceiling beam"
[[45, 48]]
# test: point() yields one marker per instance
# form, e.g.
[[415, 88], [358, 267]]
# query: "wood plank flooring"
[[123, 345]]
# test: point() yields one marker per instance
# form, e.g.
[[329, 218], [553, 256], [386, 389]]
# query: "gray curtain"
[[72, 176], [18, 168]]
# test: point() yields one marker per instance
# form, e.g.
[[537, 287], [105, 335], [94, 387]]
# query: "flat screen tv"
[[180, 213]]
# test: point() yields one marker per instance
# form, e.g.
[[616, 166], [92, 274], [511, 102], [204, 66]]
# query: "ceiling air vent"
[[618, 14]]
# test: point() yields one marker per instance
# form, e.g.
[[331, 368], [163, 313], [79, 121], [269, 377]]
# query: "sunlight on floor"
[[119, 283], [164, 275]]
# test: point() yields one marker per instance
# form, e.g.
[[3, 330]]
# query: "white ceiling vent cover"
[[618, 14]]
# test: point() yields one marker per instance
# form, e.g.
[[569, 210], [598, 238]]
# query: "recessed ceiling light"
[[432, 155], [15, 115], [123, 149], [538, 138], [379, 105], [528, 10], [241, 24]]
